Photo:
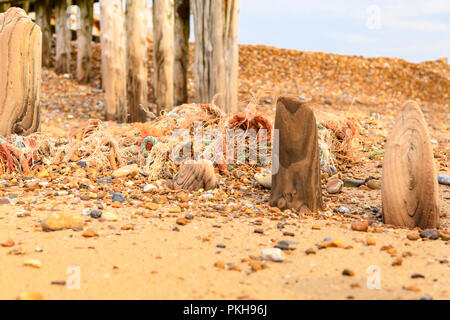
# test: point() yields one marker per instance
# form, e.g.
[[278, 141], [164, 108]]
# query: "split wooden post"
[[137, 59], [63, 36], [216, 24], [114, 62], [296, 177], [20, 73], [182, 32], [163, 53], [409, 189], [43, 15], [84, 40]]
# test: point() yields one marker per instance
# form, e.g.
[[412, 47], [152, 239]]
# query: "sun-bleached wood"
[[296, 183], [114, 62], [43, 15], [63, 36], [164, 54], [409, 189], [216, 24], [137, 59], [20, 73], [84, 40], [182, 31]]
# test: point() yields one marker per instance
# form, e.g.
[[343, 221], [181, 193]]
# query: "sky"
[[414, 30]]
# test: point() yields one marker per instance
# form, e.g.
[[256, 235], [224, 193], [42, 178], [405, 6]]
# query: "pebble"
[[374, 184], [432, 234], [348, 273], [109, 216], [342, 210], [397, 262], [417, 276], [118, 197], [149, 187], [189, 216], [412, 288], [220, 245], [264, 180], [370, 241], [8, 243], [310, 251], [5, 201], [127, 227], [130, 170], [182, 221], [353, 183], [285, 245], [33, 263], [360, 226], [413, 236], [61, 220], [288, 234], [95, 214], [331, 170], [272, 254], [256, 266], [175, 209], [89, 233], [444, 179], [334, 186], [30, 296], [219, 265], [259, 230]]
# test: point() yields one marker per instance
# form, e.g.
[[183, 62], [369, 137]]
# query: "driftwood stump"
[[409, 190], [297, 183], [84, 39], [43, 20], [20, 73], [182, 32], [63, 37], [194, 176]]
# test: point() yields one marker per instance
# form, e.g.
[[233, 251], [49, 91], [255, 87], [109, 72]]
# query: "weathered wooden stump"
[[84, 40], [297, 183], [163, 53], [137, 58], [20, 73], [409, 189], [114, 61], [43, 13], [194, 176], [182, 32], [63, 37]]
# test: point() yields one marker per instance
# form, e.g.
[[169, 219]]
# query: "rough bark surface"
[[84, 40], [114, 62], [216, 24], [137, 58], [296, 184], [164, 55], [182, 32], [195, 176], [20, 73], [63, 36], [43, 15], [409, 190]]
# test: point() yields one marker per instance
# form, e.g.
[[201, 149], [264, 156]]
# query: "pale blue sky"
[[415, 30]]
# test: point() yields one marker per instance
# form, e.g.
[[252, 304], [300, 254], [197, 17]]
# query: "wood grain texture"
[[164, 53], [182, 32], [297, 182], [84, 40], [20, 73], [63, 37], [409, 188], [114, 61], [195, 176], [43, 15], [137, 59], [216, 24]]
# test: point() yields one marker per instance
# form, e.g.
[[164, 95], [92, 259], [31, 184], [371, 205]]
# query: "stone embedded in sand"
[[264, 179], [334, 186], [444, 179], [413, 236], [30, 296], [130, 170], [33, 263], [109, 216], [360, 225], [272, 254], [409, 189], [431, 234], [195, 176], [8, 243], [374, 184], [90, 233], [61, 220], [296, 184]]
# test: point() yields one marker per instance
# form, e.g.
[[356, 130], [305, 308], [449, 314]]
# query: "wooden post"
[[409, 190], [137, 59], [163, 53], [216, 61], [84, 40], [182, 31], [296, 177], [63, 36], [4, 7], [20, 73], [114, 62], [43, 15]]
